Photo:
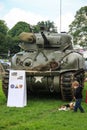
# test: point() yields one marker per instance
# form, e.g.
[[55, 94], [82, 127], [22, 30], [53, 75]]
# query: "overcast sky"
[[33, 11]]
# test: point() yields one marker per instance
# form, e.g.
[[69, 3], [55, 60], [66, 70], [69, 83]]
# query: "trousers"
[[78, 105]]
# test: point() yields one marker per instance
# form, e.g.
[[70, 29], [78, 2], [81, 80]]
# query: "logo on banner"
[[20, 77], [14, 74], [12, 86], [17, 86]]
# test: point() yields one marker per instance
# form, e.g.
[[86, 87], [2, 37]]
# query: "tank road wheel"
[[66, 87], [5, 82]]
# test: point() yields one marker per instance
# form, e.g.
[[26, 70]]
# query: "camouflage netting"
[[27, 37]]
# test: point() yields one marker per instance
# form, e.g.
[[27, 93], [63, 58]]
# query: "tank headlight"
[[27, 62]]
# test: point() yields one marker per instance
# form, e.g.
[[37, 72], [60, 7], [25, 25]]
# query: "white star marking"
[[38, 79]]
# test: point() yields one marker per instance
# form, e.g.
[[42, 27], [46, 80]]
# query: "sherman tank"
[[50, 62]]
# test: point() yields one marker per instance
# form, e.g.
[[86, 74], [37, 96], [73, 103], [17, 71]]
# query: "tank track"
[[5, 82], [66, 83]]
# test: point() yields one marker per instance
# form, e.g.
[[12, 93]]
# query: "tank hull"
[[51, 65]]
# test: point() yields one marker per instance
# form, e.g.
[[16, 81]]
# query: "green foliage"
[[48, 25], [8, 43], [3, 39], [3, 27], [3, 46], [36, 28], [18, 28], [2, 96], [78, 28]]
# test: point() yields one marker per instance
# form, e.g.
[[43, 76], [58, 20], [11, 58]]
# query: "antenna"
[[60, 14]]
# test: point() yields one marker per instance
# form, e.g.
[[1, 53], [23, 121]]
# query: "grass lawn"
[[41, 113]]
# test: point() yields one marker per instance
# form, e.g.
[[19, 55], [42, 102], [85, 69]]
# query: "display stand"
[[17, 96]]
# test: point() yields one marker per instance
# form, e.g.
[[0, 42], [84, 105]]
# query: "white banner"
[[17, 96]]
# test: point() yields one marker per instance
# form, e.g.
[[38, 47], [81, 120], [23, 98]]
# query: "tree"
[[48, 26], [3, 34], [3, 27], [12, 38], [78, 28], [12, 44], [18, 28]]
